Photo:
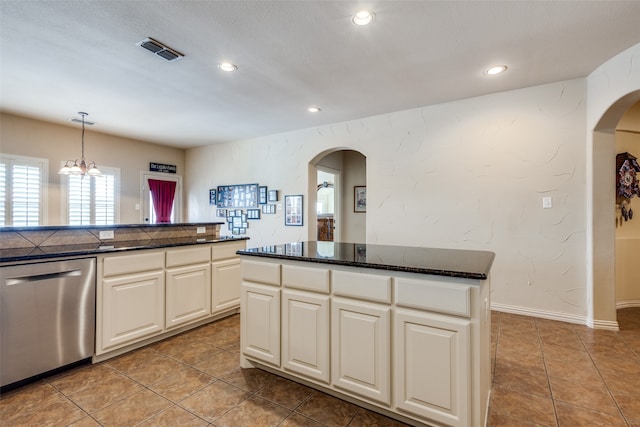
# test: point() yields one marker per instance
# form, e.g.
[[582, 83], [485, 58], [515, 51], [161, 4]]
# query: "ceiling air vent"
[[159, 49]]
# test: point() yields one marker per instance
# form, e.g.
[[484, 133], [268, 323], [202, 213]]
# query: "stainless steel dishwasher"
[[47, 316]]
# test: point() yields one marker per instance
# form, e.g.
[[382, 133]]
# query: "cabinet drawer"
[[187, 256], [261, 272], [434, 296], [226, 250], [311, 279], [363, 286], [126, 264]]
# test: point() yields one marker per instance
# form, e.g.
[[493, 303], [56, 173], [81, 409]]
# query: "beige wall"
[[468, 174], [34, 138]]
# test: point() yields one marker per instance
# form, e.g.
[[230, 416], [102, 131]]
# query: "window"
[[93, 200], [23, 182]]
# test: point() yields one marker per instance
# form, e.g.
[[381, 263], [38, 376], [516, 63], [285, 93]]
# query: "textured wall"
[[468, 174]]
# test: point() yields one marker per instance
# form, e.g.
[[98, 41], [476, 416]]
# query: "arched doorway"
[[601, 201], [349, 169]]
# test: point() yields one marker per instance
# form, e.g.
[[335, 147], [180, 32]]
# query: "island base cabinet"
[[188, 294], [360, 339], [305, 334], [440, 389], [260, 322], [133, 308], [225, 285]]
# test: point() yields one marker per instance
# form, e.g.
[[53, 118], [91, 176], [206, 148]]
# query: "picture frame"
[[221, 213], [293, 210], [360, 198], [212, 197], [262, 195], [272, 196], [268, 209], [253, 213]]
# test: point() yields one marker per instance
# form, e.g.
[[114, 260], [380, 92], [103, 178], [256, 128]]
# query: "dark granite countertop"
[[92, 249], [466, 264]]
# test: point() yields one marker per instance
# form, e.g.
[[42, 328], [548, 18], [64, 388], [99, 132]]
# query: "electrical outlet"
[[201, 230], [108, 234]]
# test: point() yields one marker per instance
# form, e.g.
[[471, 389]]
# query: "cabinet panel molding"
[[305, 334], [441, 389], [260, 322], [369, 287], [306, 278], [434, 296], [361, 347]]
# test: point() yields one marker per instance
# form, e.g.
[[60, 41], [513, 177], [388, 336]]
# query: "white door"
[[147, 215]]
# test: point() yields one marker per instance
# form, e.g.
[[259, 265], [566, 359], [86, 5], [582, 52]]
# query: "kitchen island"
[[399, 330]]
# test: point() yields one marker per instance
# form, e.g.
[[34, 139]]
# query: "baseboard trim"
[[524, 311], [628, 304], [609, 325]]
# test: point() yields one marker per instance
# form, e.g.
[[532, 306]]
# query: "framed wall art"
[[262, 195], [253, 213], [238, 196], [212, 197], [360, 199], [293, 210], [272, 196]]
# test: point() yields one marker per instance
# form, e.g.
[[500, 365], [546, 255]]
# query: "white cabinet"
[[432, 369], [132, 308], [225, 276], [188, 294], [305, 334], [411, 345], [188, 285], [361, 347], [260, 322], [147, 295]]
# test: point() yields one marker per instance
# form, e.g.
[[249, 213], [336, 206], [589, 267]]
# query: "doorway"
[[348, 169], [601, 201], [326, 203], [147, 212]]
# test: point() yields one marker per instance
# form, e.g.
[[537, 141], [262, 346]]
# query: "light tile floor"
[[545, 373]]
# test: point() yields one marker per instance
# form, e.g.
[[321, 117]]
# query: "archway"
[[601, 201], [350, 167]]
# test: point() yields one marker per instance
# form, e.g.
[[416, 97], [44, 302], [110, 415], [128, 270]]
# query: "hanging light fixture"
[[82, 168]]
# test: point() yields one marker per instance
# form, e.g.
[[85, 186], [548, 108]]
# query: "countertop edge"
[[417, 270], [106, 249]]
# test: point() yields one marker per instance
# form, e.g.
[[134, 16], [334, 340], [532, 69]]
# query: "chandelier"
[[80, 169]]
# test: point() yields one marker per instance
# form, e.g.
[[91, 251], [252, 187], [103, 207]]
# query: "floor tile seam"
[[590, 409], [621, 411], [174, 404], [303, 401], [186, 397], [139, 391]]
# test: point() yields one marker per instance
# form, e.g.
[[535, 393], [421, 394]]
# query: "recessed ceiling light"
[[314, 109], [495, 70], [364, 17], [227, 66]]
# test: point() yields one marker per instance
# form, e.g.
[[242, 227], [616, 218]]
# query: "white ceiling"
[[61, 57]]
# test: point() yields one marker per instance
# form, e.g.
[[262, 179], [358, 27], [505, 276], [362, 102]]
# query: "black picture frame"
[[221, 213], [212, 197], [253, 213], [262, 195], [272, 196], [360, 198], [293, 210]]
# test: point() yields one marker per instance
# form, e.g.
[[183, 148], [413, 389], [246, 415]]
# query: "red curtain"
[[162, 194]]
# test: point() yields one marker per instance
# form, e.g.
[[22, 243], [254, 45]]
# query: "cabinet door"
[[188, 294], [260, 322], [360, 339], [225, 285], [305, 334], [432, 377], [133, 308]]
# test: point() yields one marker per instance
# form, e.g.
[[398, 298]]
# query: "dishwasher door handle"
[[46, 276]]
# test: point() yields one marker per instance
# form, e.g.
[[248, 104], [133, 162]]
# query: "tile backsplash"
[[61, 235]]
